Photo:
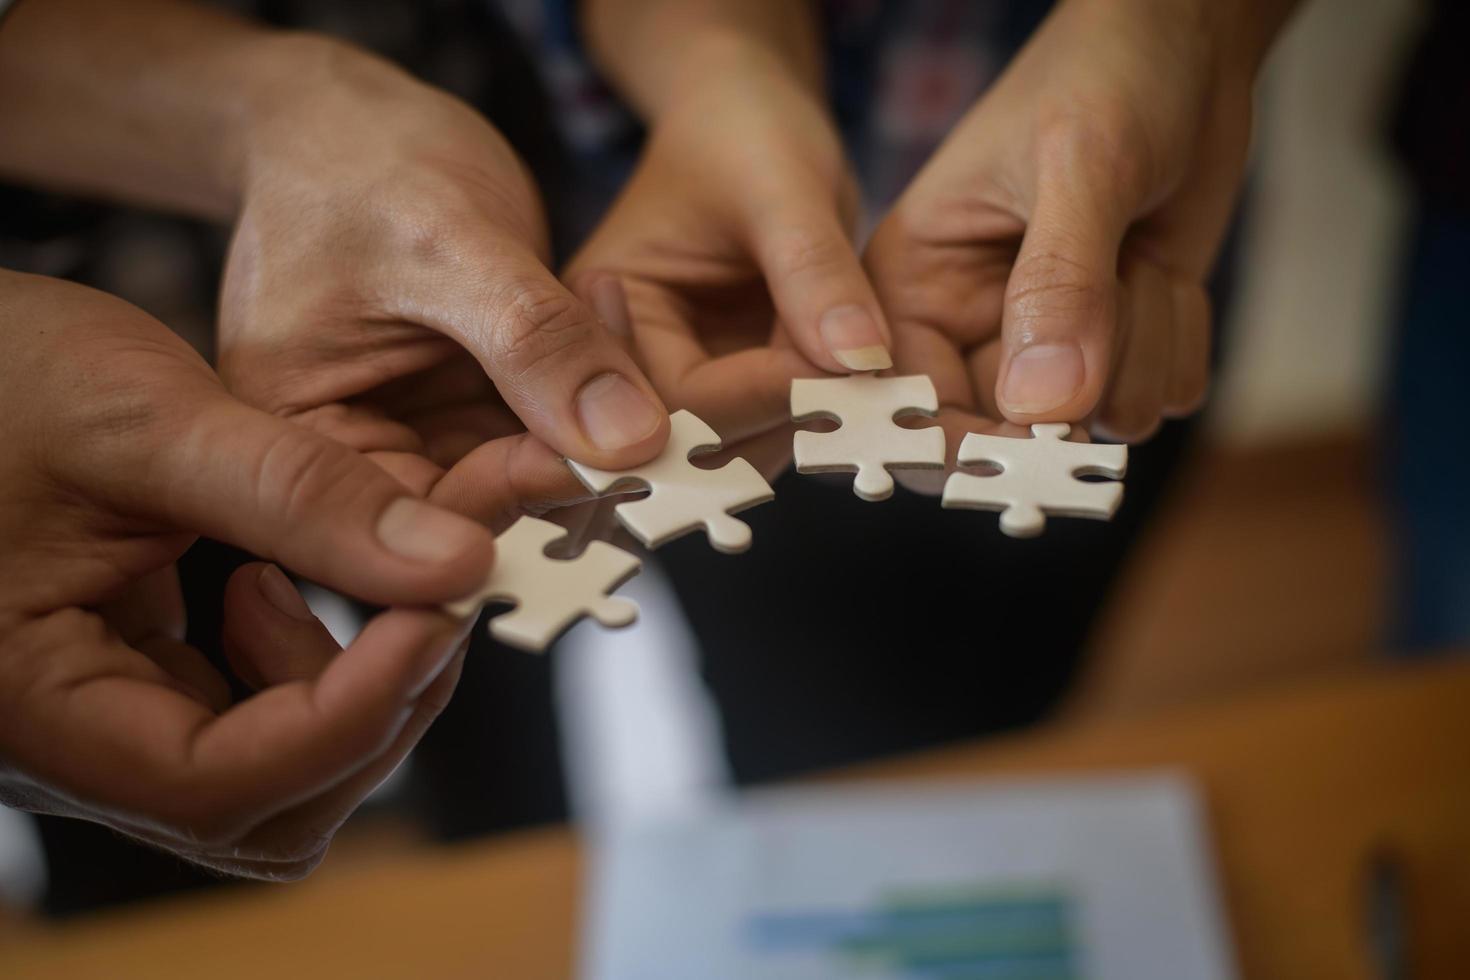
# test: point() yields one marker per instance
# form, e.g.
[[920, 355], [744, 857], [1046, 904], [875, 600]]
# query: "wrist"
[[714, 58], [313, 103], [283, 77], [720, 69], [1228, 38]]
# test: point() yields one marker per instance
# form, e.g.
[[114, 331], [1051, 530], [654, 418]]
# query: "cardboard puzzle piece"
[[1038, 476], [868, 442], [683, 497], [550, 594]]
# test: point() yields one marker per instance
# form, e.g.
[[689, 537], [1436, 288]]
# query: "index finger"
[[742, 393], [99, 721]]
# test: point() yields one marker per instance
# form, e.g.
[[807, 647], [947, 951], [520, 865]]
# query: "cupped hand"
[[120, 447], [1048, 263], [732, 241], [387, 286]]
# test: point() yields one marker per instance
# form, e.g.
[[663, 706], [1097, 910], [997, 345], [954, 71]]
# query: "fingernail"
[[1043, 378], [853, 337], [280, 593], [614, 413], [412, 529]]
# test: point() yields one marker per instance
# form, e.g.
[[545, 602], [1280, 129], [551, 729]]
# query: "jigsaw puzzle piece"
[[683, 497], [1038, 476], [868, 441], [655, 523], [550, 594]]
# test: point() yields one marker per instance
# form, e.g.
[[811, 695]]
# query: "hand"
[[732, 242], [120, 446], [386, 286], [1048, 263]]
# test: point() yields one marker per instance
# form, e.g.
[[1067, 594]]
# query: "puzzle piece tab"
[[869, 442], [683, 497], [550, 593], [1038, 477]]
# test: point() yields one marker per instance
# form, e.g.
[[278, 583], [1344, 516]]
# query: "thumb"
[[274, 488], [820, 289], [569, 380], [1060, 318]]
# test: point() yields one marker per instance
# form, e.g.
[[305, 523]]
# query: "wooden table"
[[1301, 787]]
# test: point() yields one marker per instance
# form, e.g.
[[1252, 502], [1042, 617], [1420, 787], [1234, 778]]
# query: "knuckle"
[[300, 471], [537, 325], [65, 628], [36, 658], [117, 415], [800, 252], [1048, 283], [430, 234], [107, 427]]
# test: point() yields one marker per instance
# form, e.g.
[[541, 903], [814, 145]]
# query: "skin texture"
[[1077, 208], [112, 427], [387, 286], [1075, 211], [733, 237], [387, 282]]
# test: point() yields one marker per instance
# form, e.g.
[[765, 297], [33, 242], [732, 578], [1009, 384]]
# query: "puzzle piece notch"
[[683, 497], [1038, 476], [868, 441], [550, 594]]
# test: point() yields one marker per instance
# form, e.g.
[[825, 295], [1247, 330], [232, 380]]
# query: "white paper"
[[1088, 878]]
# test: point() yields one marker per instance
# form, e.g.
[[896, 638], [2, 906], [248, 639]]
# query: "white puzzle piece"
[[868, 442], [550, 593], [683, 497], [1038, 476]]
